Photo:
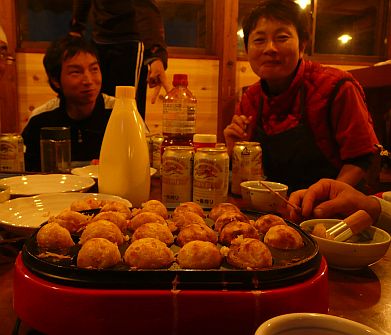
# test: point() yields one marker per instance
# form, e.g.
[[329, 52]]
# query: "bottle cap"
[[180, 79], [204, 138], [125, 92]]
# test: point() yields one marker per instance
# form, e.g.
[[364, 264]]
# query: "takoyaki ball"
[[117, 206], [236, 228], [263, 223], [52, 236], [71, 220], [155, 206], [283, 237], [143, 218], [225, 218], [189, 206], [221, 208], [199, 255], [184, 219], [86, 204], [249, 253], [98, 253], [148, 253], [115, 217], [156, 230], [102, 228], [197, 232]]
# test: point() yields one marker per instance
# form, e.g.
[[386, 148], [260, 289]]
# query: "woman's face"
[[274, 51]]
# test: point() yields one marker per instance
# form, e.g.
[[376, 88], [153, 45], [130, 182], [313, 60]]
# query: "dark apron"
[[292, 157]]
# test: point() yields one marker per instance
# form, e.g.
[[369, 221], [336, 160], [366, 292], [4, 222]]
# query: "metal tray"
[[289, 266]]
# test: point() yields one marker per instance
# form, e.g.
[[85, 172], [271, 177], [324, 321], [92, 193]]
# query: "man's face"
[[273, 50], [3, 57], [81, 79]]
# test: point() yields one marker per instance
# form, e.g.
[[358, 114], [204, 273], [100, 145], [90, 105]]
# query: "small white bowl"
[[260, 198], [346, 255], [312, 324]]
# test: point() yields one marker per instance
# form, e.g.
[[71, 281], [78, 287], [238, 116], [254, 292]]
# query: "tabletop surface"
[[362, 295]]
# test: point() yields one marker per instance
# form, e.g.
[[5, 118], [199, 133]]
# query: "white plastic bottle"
[[124, 157]]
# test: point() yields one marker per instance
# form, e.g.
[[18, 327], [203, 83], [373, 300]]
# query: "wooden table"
[[363, 296]]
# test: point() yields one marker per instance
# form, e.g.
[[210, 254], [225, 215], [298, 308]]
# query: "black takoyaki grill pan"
[[289, 267]]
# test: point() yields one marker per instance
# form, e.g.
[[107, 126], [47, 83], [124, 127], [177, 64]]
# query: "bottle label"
[[179, 117]]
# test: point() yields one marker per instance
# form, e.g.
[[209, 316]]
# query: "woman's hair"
[[61, 50], [283, 10]]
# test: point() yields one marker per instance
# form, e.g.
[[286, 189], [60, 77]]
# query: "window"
[[341, 28], [187, 23], [350, 27]]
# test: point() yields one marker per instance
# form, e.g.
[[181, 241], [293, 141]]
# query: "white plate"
[[24, 215], [93, 171], [47, 183]]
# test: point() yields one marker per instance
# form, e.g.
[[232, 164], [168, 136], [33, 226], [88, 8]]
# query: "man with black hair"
[[73, 71]]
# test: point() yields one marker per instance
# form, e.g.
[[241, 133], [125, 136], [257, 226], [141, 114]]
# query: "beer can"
[[246, 164], [157, 141], [11, 152], [211, 176], [177, 174]]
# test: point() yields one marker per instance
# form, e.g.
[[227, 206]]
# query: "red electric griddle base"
[[58, 309]]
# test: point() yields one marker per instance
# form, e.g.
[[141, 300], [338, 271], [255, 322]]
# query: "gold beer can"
[[157, 141], [177, 175], [246, 164], [211, 176], [11, 153]]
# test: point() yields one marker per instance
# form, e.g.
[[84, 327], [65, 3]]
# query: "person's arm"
[[351, 174], [31, 139], [353, 130], [80, 11], [329, 198], [150, 27]]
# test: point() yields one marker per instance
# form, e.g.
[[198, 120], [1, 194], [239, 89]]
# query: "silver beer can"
[[211, 176], [177, 175], [11, 153], [157, 141], [246, 164]]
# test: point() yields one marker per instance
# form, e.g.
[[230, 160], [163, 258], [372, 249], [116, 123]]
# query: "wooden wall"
[[33, 89]]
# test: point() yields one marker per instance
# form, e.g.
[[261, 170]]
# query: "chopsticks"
[[296, 208]]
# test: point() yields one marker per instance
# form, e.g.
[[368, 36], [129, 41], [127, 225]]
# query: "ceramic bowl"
[[5, 193], [259, 198], [312, 324], [368, 247]]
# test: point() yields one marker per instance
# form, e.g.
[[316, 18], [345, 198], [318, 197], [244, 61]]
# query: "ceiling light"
[[345, 38]]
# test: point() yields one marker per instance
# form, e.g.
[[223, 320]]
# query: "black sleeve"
[[362, 161], [31, 139], [80, 11]]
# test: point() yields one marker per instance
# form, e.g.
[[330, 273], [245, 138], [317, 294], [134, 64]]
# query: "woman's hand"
[[236, 131]]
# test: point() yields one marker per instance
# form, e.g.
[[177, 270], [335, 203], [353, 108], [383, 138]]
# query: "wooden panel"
[[8, 84], [203, 82], [33, 87]]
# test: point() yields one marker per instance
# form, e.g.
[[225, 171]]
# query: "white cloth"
[[384, 220]]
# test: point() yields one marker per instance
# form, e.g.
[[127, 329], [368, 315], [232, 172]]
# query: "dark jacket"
[[86, 135], [119, 21]]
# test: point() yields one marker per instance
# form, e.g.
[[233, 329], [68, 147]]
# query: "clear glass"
[[55, 156]]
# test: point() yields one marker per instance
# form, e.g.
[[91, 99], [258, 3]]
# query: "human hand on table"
[[236, 131], [329, 198]]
